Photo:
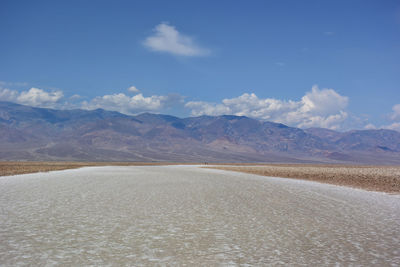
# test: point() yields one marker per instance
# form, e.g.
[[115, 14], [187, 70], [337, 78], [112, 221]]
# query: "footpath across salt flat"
[[176, 215]]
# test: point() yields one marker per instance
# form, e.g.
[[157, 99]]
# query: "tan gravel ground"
[[374, 178]]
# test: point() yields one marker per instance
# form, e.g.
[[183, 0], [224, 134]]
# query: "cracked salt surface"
[[185, 215]]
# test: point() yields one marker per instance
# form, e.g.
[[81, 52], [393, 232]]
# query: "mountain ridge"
[[31, 133]]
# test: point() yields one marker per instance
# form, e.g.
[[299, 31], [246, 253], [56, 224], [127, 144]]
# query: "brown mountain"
[[28, 133]]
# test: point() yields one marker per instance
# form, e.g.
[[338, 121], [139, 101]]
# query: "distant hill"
[[28, 133]]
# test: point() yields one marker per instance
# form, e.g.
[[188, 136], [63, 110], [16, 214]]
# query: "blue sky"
[[333, 64]]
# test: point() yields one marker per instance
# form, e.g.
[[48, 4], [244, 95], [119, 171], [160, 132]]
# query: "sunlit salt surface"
[[185, 215]]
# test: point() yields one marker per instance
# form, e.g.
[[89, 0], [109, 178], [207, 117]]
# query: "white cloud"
[[396, 112], [323, 102], [75, 97], [167, 39], [133, 89], [393, 126], [118, 102], [395, 117], [37, 97], [317, 108], [33, 97], [131, 105], [8, 95], [369, 126]]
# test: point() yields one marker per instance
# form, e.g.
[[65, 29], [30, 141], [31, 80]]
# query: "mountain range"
[[42, 134]]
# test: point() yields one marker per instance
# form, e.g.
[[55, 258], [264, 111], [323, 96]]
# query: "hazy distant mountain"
[[28, 133]]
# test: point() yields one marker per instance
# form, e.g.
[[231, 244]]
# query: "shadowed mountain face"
[[28, 133]]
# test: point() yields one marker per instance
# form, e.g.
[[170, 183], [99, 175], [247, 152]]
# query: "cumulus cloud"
[[396, 113], [394, 126], [75, 97], [117, 102], [317, 108], [35, 97], [167, 39], [8, 95], [395, 118], [133, 89], [131, 105], [370, 126]]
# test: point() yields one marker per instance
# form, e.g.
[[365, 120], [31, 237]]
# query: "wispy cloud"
[[317, 108], [167, 39], [11, 84]]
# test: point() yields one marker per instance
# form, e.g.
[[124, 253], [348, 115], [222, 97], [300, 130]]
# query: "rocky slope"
[[28, 133]]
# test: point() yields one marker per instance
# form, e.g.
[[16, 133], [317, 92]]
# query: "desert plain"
[[367, 177], [186, 215]]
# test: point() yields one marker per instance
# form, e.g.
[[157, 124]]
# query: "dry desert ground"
[[191, 216], [374, 178]]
